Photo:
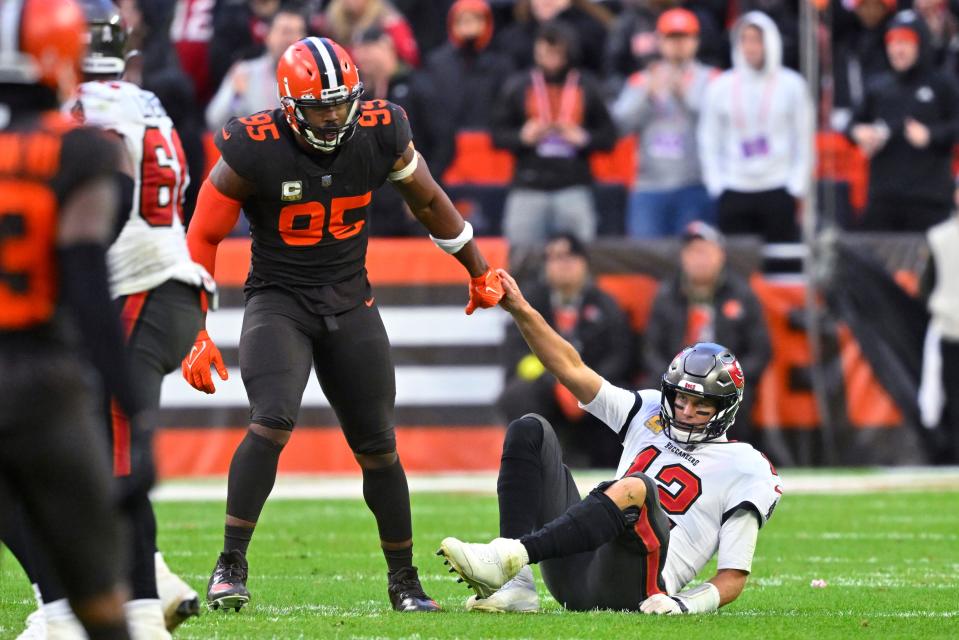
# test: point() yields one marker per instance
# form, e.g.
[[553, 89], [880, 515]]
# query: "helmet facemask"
[[708, 371], [324, 138]]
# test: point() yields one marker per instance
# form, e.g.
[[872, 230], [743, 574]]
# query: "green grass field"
[[891, 561]]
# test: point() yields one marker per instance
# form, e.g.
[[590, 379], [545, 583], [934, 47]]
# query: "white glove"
[[660, 604]]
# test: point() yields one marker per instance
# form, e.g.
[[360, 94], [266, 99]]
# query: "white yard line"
[[797, 482]]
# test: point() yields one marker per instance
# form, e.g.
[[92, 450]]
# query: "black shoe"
[[406, 592], [227, 588]]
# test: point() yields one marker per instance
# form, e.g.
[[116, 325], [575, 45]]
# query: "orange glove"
[[485, 291], [196, 366]]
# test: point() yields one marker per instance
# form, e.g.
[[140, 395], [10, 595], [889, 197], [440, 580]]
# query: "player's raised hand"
[[196, 366], [512, 296], [485, 291], [660, 604]]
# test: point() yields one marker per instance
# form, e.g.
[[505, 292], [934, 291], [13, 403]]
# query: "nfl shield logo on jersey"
[[326, 180], [292, 190]]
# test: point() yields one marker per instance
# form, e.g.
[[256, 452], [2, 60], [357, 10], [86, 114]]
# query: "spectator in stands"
[[462, 78], [633, 41], [706, 302], [344, 20], [551, 118], [428, 19], [191, 32], [943, 33], [859, 53], [591, 321], [939, 393], [907, 127], [386, 77], [239, 32], [516, 39], [756, 136], [157, 69], [250, 86], [661, 107]]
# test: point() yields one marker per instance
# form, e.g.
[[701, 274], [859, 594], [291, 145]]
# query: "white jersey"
[[151, 248], [703, 488]]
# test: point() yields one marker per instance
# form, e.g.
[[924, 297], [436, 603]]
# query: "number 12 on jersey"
[[675, 502]]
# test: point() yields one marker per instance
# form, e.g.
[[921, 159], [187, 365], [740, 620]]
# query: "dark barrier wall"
[[448, 374]]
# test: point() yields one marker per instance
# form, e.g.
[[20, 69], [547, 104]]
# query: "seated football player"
[[682, 493]]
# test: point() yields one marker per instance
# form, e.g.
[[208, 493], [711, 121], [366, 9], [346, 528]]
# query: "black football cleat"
[[227, 588], [406, 592]]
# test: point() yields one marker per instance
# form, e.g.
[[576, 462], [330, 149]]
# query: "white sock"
[[58, 610]]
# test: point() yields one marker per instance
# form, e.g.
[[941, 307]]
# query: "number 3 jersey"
[[151, 247], [701, 487], [308, 211]]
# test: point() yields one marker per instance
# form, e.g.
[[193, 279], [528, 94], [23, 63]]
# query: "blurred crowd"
[[723, 126], [723, 123]]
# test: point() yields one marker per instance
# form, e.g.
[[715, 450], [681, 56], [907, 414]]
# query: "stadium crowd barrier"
[[448, 373]]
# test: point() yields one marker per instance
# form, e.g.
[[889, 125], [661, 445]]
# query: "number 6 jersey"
[[151, 247], [701, 486]]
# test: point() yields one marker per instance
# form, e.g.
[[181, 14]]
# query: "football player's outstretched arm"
[[217, 209], [433, 208], [558, 356]]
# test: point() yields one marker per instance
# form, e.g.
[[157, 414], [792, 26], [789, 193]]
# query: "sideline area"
[[796, 481]]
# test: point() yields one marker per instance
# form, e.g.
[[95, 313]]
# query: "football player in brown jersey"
[[57, 202], [303, 175]]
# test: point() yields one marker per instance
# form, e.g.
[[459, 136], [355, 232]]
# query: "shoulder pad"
[[236, 138], [390, 124]]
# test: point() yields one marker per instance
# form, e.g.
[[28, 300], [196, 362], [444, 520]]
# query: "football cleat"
[[178, 599], [485, 567], [517, 595], [227, 588], [406, 592]]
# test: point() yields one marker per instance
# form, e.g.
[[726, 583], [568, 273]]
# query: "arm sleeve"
[[614, 406], [944, 133], [757, 493], [215, 216], [737, 541], [508, 116], [631, 109], [709, 139], [599, 124]]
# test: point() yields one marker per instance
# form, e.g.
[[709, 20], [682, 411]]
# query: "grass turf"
[[891, 561]]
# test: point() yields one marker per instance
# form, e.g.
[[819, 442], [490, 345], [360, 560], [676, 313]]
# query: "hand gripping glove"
[[485, 291]]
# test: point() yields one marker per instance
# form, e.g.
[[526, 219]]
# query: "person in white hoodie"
[[755, 136]]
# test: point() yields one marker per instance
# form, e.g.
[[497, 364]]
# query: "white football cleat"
[[178, 599], [485, 567], [517, 595], [145, 620], [36, 627]]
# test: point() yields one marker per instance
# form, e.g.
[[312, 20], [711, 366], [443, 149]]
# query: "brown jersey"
[[308, 211], [43, 158]]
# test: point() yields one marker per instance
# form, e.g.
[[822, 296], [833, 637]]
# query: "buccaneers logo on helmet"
[[314, 77], [41, 42]]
